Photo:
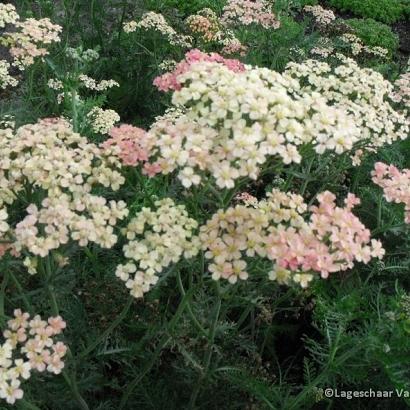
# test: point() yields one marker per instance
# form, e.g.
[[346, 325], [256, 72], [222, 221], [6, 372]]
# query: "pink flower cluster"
[[33, 342], [169, 81], [246, 12], [332, 240], [131, 144], [395, 184]]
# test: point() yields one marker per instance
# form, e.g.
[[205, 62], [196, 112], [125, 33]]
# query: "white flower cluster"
[[29, 347], [357, 46], [8, 14], [155, 21], [55, 84], [157, 238], [6, 79], [91, 84], [58, 167], [102, 120], [360, 92], [322, 16], [234, 121]]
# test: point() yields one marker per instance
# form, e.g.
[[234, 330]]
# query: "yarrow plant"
[[156, 238], [169, 81], [246, 12], [234, 120], [56, 170], [156, 22], [101, 120], [323, 17], [332, 239], [30, 345], [395, 184], [132, 145]]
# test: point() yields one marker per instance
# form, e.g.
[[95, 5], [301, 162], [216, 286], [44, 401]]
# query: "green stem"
[[208, 355], [20, 289], [163, 342], [189, 309], [2, 296], [104, 335], [70, 380]]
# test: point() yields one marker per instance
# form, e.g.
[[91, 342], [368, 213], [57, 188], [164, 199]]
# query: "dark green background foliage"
[[374, 33], [387, 11]]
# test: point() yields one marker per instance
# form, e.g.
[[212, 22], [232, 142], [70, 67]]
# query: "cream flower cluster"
[[234, 121], [395, 184], [360, 92], [155, 21], [8, 14], [6, 79], [102, 120], [157, 238], [401, 92], [205, 24], [92, 84], [322, 16], [246, 12], [357, 46], [330, 241], [29, 346], [169, 81], [234, 46], [61, 168], [30, 39], [131, 144]]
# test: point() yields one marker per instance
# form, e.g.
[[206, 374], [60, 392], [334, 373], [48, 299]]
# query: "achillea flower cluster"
[[360, 92], [331, 240], [246, 12], [132, 145], [169, 81], [8, 14], [29, 346], [401, 92], [157, 238], [234, 121], [30, 40], [395, 184], [92, 84], [102, 120], [61, 168], [6, 79], [234, 46], [205, 24], [156, 22], [323, 17], [358, 47]]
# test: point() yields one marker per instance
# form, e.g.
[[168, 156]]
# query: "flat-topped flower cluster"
[[30, 345], [55, 168], [235, 119], [246, 12], [360, 92], [157, 238], [395, 184], [332, 239]]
